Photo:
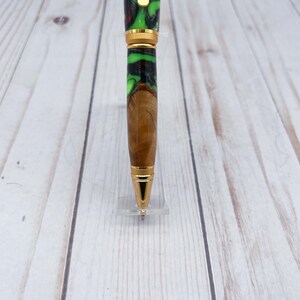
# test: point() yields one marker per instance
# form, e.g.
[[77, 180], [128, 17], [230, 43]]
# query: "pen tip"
[[142, 214]]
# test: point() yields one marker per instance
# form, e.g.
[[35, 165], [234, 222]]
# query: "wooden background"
[[229, 150]]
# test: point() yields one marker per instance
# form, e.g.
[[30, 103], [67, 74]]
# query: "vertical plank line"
[[202, 219], [294, 7], [79, 183], [291, 135], [23, 48]]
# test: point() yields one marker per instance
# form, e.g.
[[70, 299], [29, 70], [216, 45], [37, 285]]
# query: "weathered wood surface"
[[272, 38], [16, 24], [248, 172], [228, 82], [42, 128]]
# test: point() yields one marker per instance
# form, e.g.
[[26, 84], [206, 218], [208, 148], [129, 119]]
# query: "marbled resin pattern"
[[141, 69], [137, 17]]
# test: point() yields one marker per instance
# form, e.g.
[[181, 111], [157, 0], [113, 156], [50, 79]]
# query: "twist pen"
[[141, 23]]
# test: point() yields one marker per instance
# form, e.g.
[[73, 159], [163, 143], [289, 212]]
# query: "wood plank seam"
[[259, 156], [217, 55], [202, 218], [295, 7], [10, 29], [22, 51], [28, 99], [291, 133], [77, 196]]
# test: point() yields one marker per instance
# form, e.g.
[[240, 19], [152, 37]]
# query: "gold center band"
[[147, 38], [149, 170]]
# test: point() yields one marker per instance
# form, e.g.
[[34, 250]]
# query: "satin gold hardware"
[[141, 46], [149, 170], [142, 178], [143, 213], [141, 36]]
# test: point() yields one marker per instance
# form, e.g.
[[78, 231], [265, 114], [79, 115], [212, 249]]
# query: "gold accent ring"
[[142, 36], [131, 46], [149, 170]]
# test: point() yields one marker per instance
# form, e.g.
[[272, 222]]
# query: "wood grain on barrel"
[[142, 123]]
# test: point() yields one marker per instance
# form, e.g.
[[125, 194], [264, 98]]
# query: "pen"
[[141, 24]]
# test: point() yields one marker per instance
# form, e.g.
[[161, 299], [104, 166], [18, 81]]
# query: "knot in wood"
[[61, 20]]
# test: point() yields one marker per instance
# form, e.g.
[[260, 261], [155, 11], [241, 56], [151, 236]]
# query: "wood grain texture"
[[42, 127], [16, 23], [248, 171], [116, 257], [271, 36], [142, 124]]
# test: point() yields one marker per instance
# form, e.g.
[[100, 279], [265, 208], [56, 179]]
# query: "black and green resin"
[[137, 17], [141, 70]]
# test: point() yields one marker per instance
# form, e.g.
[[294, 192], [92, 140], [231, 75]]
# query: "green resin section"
[[140, 20], [153, 7], [138, 17], [134, 57], [141, 69], [131, 82]]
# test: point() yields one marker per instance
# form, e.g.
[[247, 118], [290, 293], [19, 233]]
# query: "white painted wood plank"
[[42, 126], [272, 35], [248, 171], [118, 257], [296, 5], [16, 23]]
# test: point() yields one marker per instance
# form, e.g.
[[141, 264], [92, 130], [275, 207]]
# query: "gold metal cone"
[[142, 178]]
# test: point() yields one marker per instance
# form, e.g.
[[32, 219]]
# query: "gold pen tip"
[[142, 214], [142, 182]]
